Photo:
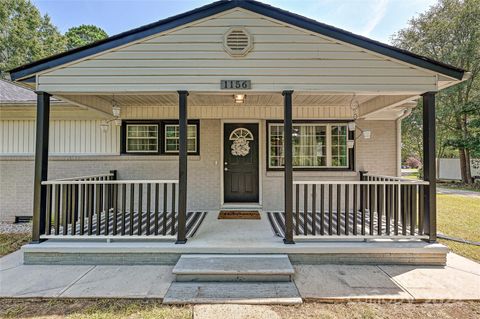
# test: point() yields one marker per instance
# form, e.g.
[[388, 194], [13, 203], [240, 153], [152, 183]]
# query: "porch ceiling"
[[368, 104]]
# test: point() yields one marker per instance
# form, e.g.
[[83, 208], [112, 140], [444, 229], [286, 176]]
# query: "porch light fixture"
[[239, 98], [104, 126], [350, 143], [351, 126], [115, 107], [366, 134]]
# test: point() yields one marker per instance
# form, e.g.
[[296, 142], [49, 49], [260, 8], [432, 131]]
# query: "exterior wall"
[[378, 155], [17, 137], [192, 57]]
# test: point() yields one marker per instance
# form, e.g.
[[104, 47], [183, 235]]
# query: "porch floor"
[[216, 236]]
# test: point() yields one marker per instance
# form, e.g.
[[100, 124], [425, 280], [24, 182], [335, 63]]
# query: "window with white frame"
[[314, 145], [172, 134], [142, 138]]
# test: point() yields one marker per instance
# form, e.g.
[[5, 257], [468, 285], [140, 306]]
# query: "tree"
[[83, 35], [25, 35], [450, 32]]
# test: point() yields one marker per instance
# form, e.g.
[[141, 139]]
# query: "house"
[[236, 106]]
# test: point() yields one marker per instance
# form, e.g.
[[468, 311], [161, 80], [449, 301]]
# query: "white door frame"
[[260, 166]]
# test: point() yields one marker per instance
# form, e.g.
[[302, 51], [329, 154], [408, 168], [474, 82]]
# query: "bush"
[[413, 162]]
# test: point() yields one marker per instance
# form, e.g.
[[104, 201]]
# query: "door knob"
[[226, 163], [225, 169]]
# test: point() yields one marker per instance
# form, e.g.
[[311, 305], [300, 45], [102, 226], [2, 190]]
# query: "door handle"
[[226, 163], [225, 169]]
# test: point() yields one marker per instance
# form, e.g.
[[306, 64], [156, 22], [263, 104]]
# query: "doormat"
[[239, 214]]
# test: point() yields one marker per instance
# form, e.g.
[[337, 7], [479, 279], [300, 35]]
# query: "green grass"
[[133, 309], [459, 216], [11, 242], [457, 185], [91, 309]]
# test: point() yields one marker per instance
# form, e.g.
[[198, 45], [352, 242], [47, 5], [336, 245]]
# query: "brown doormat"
[[239, 214]]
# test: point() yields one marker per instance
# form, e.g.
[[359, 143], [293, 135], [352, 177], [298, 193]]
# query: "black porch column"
[[182, 167], [41, 166], [429, 166], [287, 152]]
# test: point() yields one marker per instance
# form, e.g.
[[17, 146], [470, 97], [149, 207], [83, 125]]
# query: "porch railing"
[[98, 177], [99, 206], [370, 208]]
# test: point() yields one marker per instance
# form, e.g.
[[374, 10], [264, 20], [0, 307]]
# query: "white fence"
[[449, 168]]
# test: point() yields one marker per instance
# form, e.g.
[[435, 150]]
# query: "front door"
[[240, 167]]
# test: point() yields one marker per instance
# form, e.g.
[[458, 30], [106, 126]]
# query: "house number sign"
[[235, 84]]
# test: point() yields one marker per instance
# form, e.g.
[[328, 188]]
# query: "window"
[[142, 138], [314, 145], [172, 136], [157, 137]]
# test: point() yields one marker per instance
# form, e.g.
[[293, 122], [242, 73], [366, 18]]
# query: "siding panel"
[[193, 58], [17, 137]]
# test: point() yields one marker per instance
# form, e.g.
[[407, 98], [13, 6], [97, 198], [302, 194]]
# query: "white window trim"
[[137, 138], [328, 137], [177, 125]]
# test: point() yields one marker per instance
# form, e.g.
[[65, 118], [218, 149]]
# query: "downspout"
[[398, 124]]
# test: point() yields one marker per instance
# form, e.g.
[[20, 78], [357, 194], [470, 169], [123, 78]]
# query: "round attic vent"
[[237, 42]]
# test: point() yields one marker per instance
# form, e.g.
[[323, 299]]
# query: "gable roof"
[[28, 70]]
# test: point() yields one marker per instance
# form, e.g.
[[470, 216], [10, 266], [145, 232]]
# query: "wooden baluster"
[[404, 208], [297, 209], [140, 209], [322, 209], [364, 210], [421, 212], [165, 208], [74, 208], [124, 208], [157, 198], [64, 210], [115, 208], [355, 208], [172, 232], [98, 207], [396, 190], [149, 199], [305, 209], [372, 203], [380, 201], [90, 196], [347, 209], [339, 209], [314, 209], [106, 208], [132, 208], [330, 209], [388, 207], [413, 220], [81, 217], [48, 212]]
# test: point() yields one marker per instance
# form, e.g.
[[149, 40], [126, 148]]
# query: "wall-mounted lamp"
[[366, 134], [350, 143], [351, 126], [239, 98]]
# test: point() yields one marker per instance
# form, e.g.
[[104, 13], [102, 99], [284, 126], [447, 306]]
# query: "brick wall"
[[377, 155]]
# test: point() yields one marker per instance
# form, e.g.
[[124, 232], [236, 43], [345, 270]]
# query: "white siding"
[[193, 58], [82, 137]]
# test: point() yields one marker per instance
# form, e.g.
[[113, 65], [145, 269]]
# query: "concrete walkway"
[[461, 192], [459, 280]]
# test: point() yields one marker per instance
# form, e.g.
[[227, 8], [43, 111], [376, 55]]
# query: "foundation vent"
[[237, 42]]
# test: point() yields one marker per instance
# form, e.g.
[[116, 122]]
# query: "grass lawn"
[[118, 309], [459, 216], [457, 185], [11, 242]]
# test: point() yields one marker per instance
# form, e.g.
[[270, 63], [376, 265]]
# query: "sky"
[[376, 19]]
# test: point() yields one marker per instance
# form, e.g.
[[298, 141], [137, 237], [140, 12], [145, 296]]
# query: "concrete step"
[[280, 293], [221, 268]]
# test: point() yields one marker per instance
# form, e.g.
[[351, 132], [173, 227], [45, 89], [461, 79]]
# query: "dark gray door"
[[240, 179]]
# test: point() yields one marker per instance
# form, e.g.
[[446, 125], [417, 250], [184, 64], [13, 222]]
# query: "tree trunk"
[[465, 165]]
